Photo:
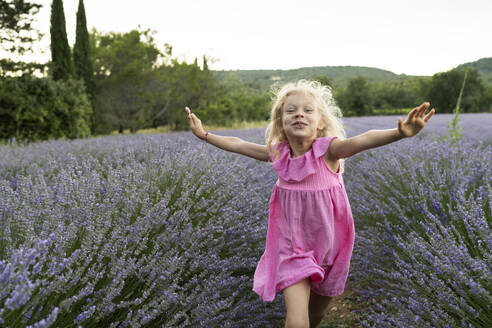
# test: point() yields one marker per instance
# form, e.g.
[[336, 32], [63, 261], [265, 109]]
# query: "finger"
[[424, 107], [412, 113], [420, 108], [400, 123], [425, 110], [418, 112], [429, 115]]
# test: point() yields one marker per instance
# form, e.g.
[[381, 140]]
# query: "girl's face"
[[300, 116]]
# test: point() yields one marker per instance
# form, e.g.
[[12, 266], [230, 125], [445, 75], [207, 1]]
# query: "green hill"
[[483, 66], [339, 75]]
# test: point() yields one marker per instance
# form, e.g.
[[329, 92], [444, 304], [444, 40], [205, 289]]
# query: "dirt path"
[[340, 311]]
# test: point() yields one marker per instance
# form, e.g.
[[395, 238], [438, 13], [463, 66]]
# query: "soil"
[[340, 312]]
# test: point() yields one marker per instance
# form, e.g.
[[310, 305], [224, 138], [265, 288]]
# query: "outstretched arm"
[[232, 144], [376, 138]]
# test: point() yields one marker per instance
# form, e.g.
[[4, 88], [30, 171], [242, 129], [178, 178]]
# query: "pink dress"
[[310, 227]]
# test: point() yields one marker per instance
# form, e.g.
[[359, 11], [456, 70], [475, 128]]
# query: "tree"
[[16, 17], [17, 33], [82, 59], [324, 80], [231, 100], [486, 102], [403, 93], [123, 65], [357, 97], [61, 66], [177, 84], [444, 89], [205, 64]]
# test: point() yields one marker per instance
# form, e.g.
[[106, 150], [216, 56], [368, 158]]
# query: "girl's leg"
[[317, 308], [297, 301]]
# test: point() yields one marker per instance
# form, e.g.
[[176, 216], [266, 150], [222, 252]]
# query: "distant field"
[[473, 125]]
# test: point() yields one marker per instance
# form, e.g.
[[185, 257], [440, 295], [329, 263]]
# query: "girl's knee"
[[297, 302]]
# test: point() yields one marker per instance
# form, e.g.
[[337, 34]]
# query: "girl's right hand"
[[196, 126]]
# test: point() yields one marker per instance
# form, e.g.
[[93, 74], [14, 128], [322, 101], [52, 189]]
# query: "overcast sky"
[[417, 37]]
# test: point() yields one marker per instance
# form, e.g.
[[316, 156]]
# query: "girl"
[[310, 228]]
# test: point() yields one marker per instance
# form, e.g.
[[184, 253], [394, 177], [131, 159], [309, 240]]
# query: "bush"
[[139, 231], [40, 108], [422, 256]]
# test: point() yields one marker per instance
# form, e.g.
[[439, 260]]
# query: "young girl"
[[310, 229]]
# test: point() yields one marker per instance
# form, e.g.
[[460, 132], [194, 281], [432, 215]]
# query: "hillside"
[[340, 75], [483, 66]]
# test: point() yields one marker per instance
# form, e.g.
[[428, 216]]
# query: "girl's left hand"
[[415, 121]]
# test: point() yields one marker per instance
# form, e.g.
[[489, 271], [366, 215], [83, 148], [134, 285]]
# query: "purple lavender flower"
[[147, 231]]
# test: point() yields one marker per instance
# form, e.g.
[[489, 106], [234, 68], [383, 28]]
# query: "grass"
[[391, 111]]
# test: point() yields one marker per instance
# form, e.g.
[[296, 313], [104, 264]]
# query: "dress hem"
[[332, 294], [288, 282]]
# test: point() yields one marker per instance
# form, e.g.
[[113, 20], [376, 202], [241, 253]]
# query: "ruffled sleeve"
[[296, 169], [320, 146]]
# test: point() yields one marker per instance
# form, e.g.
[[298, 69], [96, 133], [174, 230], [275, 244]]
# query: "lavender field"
[[151, 231]]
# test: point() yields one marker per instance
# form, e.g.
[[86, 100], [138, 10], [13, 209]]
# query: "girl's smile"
[[299, 125], [300, 116]]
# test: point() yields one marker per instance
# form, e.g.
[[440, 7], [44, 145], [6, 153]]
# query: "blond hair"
[[331, 115]]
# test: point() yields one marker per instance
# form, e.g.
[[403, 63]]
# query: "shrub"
[[139, 231], [39, 109], [422, 253]]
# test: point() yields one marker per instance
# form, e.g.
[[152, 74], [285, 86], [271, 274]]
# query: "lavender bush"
[[138, 231], [475, 127], [423, 248]]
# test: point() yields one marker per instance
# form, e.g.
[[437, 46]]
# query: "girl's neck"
[[299, 147]]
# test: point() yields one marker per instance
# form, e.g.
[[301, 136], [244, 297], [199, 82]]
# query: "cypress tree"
[[60, 51], [82, 60], [205, 64]]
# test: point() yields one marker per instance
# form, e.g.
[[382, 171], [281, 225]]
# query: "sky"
[[417, 37]]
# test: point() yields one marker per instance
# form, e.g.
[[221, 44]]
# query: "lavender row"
[[474, 127], [423, 248], [132, 231]]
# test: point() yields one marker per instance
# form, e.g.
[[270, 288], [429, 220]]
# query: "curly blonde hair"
[[331, 115]]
